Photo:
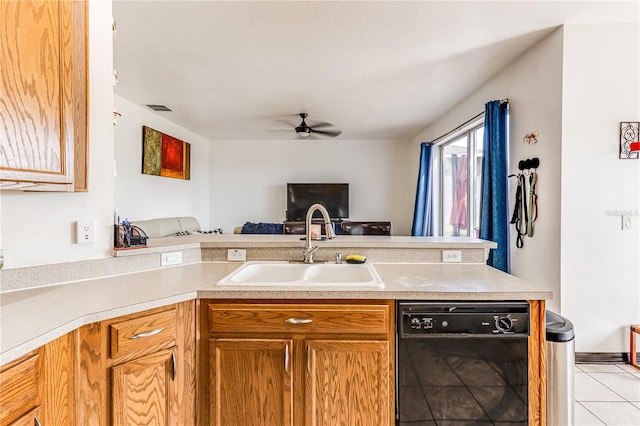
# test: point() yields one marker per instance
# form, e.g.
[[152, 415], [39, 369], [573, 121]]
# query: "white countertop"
[[271, 240], [30, 318]]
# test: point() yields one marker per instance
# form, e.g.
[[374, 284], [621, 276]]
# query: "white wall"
[[37, 228], [249, 177], [533, 84], [600, 261], [142, 197]]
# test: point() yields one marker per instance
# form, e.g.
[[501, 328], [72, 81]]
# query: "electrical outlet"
[[626, 222], [172, 258], [85, 231], [237, 255], [451, 256]]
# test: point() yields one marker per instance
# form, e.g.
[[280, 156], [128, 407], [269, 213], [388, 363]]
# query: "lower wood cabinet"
[[37, 388], [347, 382], [139, 369], [235, 363], [20, 394], [144, 390], [251, 381], [298, 363]]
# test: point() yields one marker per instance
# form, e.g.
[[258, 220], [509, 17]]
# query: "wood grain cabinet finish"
[[32, 418], [139, 369], [38, 387], [43, 102], [347, 383], [298, 363], [134, 336], [144, 391], [20, 390], [251, 381]]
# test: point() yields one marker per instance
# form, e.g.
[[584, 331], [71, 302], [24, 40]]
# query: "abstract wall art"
[[164, 155]]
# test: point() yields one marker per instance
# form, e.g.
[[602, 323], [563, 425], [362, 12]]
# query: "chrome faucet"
[[308, 249]]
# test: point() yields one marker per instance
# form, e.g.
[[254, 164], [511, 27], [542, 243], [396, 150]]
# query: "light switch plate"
[[237, 255], [451, 256], [171, 258]]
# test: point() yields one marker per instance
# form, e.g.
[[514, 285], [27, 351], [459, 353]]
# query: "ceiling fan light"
[[303, 132]]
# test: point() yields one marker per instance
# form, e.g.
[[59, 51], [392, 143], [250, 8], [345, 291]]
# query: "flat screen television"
[[333, 196]]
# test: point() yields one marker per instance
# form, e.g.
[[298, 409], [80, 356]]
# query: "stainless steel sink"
[[284, 274]]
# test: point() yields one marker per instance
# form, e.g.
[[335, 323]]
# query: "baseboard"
[[602, 357]]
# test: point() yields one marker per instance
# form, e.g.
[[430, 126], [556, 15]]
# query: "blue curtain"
[[423, 211], [494, 202]]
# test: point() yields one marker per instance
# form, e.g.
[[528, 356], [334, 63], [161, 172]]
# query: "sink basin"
[[282, 274], [265, 273]]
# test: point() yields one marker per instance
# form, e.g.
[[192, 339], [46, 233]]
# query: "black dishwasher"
[[462, 363]]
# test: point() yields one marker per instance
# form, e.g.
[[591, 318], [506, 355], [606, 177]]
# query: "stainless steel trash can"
[[560, 370]]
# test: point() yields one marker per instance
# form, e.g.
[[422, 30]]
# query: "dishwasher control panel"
[[477, 318]]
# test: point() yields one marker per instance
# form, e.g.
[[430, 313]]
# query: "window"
[[460, 180]]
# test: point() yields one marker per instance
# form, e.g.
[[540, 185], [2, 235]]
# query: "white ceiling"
[[376, 70]]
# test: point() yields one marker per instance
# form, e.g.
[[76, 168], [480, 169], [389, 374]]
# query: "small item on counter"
[[355, 258], [127, 236]]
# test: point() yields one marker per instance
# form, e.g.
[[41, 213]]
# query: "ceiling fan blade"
[[319, 124], [288, 123], [333, 133]]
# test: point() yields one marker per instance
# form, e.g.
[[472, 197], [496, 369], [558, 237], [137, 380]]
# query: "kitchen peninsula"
[[410, 268]]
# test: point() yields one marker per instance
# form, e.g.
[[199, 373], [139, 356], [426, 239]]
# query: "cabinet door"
[[144, 390], [251, 382], [347, 383], [43, 91]]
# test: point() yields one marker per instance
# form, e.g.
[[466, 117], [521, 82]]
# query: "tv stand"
[[343, 227]]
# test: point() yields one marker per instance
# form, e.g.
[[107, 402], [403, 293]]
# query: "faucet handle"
[[338, 258], [308, 254]]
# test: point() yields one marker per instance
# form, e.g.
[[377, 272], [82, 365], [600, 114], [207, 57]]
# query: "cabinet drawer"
[[302, 318], [19, 389], [140, 334]]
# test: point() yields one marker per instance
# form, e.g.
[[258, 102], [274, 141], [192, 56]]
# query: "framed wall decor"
[[164, 155], [629, 133]]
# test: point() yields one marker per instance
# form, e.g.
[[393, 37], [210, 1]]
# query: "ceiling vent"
[[159, 107]]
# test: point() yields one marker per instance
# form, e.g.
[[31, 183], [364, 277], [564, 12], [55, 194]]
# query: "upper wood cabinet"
[[43, 98]]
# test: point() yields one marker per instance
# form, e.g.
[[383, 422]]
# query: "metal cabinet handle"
[[286, 358], [147, 333], [309, 359], [298, 321], [174, 365], [36, 422]]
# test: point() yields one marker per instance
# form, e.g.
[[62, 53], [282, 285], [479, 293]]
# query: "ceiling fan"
[[303, 130]]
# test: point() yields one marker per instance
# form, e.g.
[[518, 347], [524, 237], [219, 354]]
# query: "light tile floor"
[[607, 394]]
